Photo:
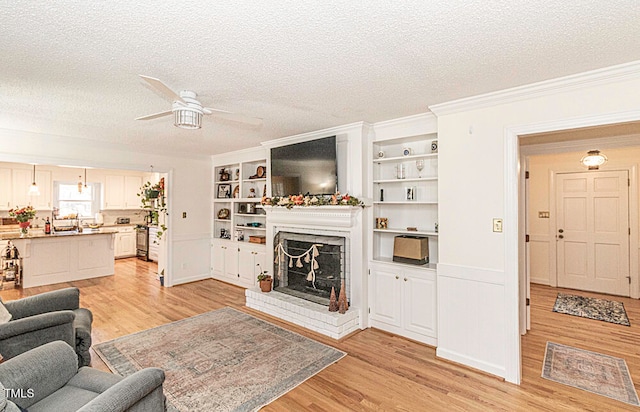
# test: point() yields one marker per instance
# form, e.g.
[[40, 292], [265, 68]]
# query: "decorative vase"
[[24, 228], [265, 285]]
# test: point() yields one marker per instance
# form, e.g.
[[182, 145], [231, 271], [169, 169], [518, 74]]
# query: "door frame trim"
[[514, 215], [634, 290]]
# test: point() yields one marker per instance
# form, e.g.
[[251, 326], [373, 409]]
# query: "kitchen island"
[[65, 256]]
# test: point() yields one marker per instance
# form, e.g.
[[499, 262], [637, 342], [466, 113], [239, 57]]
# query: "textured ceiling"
[[70, 68]]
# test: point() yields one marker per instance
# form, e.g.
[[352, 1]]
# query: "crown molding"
[[417, 124], [317, 134], [591, 78]]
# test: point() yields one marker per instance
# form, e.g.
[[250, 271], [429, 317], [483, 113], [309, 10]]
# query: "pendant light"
[[33, 189], [80, 185], [594, 159]]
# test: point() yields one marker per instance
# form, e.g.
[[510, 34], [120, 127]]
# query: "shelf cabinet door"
[[386, 297], [249, 257], [231, 262], [217, 258], [420, 304]]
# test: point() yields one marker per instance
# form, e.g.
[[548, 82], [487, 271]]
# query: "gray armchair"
[[44, 318], [47, 379]]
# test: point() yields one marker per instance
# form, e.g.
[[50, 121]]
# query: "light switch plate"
[[497, 225]]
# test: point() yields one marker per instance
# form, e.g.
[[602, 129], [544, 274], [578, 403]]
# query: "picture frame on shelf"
[[410, 193], [236, 192], [224, 191]]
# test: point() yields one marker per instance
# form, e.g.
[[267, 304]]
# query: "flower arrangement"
[[307, 200], [23, 214]]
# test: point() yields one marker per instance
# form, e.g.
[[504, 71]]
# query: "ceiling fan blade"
[[162, 88], [155, 115], [234, 117]]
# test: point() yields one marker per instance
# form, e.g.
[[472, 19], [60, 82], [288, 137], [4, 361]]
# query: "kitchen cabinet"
[[125, 242], [121, 192], [15, 184], [44, 201], [6, 191], [236, 262], [403, 301], [21, 180]]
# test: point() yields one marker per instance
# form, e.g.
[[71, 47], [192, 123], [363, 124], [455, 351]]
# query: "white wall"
[[478, 307], [189, 188]]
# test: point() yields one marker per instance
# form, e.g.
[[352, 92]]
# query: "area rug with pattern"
[[224, 360], [592, 308], [594, 372]]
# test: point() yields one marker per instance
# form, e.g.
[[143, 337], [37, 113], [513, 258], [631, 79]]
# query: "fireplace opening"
[[309, 266]]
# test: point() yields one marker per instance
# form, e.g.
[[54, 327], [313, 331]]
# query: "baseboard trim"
[[470, 362]]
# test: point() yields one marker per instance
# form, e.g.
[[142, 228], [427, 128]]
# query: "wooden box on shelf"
[[258, 239]]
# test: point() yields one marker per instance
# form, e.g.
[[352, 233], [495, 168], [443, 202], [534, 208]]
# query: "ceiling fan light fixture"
[[187, 118], [594, 159]]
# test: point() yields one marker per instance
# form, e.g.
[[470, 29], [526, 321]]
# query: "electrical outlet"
[[497, 225], [184, 215]]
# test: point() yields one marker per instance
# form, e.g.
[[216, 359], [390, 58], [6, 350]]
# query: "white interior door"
[[592, 232]]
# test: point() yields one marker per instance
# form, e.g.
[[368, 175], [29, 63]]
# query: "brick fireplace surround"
[[343, 221]]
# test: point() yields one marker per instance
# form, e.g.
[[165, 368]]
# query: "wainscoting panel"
[[471, 316], [540, 249], [192, 257]]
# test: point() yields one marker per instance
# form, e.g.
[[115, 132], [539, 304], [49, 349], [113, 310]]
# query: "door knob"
[[560, 236], [560, 230]]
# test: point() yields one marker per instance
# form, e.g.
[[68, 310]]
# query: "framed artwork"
[[224, 191]]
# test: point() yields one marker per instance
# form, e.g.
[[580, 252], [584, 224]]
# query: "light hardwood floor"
[[381, 371]]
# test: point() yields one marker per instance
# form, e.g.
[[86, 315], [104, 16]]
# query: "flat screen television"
[[305, 168]]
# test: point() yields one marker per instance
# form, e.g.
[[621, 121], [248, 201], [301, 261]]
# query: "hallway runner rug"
[[592, 308], [593, 372], [224, 360]]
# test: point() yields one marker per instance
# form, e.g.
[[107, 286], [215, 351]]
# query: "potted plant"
[[264, 279], [153, 201]]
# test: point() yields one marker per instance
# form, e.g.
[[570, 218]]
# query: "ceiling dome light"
[[187, 118], [187, 115], [594, 159]]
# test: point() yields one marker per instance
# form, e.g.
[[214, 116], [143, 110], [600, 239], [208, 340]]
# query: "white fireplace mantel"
[[317, 216]]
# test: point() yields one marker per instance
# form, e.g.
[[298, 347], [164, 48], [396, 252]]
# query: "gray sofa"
[[47, 317], [47, 379]]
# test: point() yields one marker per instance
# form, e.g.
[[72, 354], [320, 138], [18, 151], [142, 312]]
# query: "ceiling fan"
[[187, 110]]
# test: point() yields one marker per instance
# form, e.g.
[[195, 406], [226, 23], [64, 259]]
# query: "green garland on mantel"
[[306, 200]]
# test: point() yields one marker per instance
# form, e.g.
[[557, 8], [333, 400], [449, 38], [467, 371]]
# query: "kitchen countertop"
[[41, 235]]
